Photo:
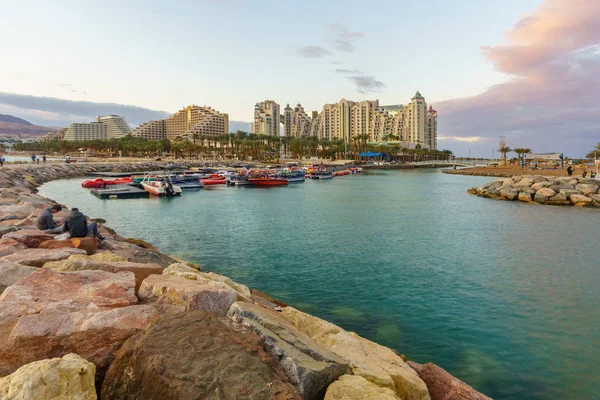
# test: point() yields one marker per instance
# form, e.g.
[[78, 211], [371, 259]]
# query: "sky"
[[523, 69]]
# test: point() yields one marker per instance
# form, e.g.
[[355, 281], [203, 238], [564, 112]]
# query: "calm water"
[[503, 295]]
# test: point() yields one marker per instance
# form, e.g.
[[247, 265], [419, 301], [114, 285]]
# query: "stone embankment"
[[470, 172], [560, 191], [120, 319]]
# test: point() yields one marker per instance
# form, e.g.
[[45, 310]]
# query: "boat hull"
[[268, 181]]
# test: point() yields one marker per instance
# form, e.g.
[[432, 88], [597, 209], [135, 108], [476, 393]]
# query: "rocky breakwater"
[[119, 319], [560, 191]]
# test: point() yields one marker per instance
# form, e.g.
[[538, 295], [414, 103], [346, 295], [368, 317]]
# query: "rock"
[[7, 229], [509, 194], [559, 199], [69, 377], [195, 355], [443, 386], [82, 263], [49, 314], [543, 195], [176, 294], [309, 366], [569, 192], [99, 256], [352, 387], [38, 257], [185, 271], [137, 254], [524, 196], [377, 364], [525, 182], [540, 185], [56, 244], [18, 210], [263, 298], [595, 197], [10, 246], [580, 200], [89, 244], [29, 237], [562, 186], [587, 189], [472, 191], [11, 273]]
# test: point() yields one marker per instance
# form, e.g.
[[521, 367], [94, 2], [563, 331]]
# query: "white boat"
[[160, 188]]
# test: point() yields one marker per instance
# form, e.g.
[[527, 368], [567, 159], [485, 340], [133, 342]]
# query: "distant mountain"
[[14, 120], [239, 126], [12, 125]]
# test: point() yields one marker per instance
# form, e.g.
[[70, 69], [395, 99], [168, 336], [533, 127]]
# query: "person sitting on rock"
[[45, 221], [584, 174], [77, 226]]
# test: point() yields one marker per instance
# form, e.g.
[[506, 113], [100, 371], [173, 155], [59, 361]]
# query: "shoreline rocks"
[[548, 190]]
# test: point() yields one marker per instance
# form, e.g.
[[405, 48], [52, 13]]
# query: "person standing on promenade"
[[45, 221], [44, 159], [77, 226], [33, 158], [584, 174], [2, 159], [570, 171]]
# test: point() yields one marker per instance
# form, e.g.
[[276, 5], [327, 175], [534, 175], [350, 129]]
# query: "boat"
[[214, 179], [238, 180], [292, 176], [266, 180], [100, 182], [160, 188], [322, 174]]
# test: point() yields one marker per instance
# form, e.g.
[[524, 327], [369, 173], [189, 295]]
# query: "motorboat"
[[266, 180], [214, 179], [160, 188], [238, 180], [101, 183], [322, 174], [292, 176]]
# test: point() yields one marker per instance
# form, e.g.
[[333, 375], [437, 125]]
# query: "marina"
[[121, 192]]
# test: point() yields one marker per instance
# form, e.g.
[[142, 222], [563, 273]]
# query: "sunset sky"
[[525, 69]]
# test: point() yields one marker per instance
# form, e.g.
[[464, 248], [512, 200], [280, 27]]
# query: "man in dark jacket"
[[45, 221], [77, 226]]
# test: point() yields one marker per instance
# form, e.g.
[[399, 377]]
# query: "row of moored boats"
[[173, 184]]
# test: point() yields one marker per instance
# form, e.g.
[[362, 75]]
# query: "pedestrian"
[[44, 159], [33, 158], [584, 174], [45, 221], [77, 226], [570, 170], [37, 159], [2, 159]]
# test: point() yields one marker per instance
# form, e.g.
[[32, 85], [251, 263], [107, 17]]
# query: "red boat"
[[99, 182], [264, 180], [214, 179]]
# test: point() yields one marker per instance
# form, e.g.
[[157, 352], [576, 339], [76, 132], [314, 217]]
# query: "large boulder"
[[69, 377], [376, 363], [82, 263], [542, 195], [352, 387], [89, 244], [38, 257], [7, 229], [310, 366], [587, 188], [443, 386], [29, 237], [18, 211], [56, 244], [176, 294], [9, 246], [11, 273], [195, 355], [559, 199], [49, 314], [524, 196], [188, 272], [580, 200], [540, 185], [138, 254]]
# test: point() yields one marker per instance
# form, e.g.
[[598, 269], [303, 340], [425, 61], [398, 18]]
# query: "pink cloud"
[[550, 99]]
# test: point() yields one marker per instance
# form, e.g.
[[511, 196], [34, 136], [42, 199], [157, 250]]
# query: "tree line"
[[241, 145]]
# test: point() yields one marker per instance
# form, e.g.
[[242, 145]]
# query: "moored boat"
[[160, 188], [323, 174], [100, 182], [292, 176], [214, 179], [266, 180], [238, 180]]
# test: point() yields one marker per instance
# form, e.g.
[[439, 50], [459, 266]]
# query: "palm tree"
[[503, 149]]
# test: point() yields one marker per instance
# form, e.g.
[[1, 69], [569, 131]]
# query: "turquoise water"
[[503, 295]]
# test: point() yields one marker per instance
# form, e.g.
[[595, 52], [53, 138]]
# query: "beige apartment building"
[[106, 127], [50, 136], [296, 122], [267, 118], [185, 123]]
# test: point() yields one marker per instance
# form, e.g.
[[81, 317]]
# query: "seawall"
[[122, 319]]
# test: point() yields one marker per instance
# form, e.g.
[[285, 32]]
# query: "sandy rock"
[[69, 377], [524, 197], [352, 387], [7, 229], [80, 263], [580, 200], [176, 294], [49, 314], [138, 254], [29, 237], [443, 386], [377, 364], [525, 182], [309, 366], [542, 195], [56, 244], [509, 194], [265, 299], [99, 256], [540, 185], [17, 210], [185, 271], [559, 199], [587, 189], [11, 273], [569, 192], [195, 355], [38, 257], [10, 246], [89, 244]]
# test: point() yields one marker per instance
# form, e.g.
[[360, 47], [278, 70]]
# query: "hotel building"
[[296, 122], [106, 127], [266, 118]]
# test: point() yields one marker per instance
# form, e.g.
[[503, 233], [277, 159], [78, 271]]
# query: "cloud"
[[366, 84], [549, 101], [68, 86], [469, 139], [45, 110], [347, 71], [313, 52], [343, 38]]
